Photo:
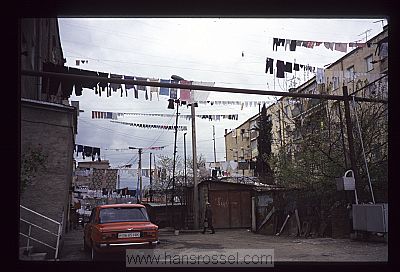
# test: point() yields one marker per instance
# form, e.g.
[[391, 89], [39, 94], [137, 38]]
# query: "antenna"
[[366, 34], [379, 21]]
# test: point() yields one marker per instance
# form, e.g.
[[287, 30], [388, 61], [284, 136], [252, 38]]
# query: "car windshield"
[[123, 214]]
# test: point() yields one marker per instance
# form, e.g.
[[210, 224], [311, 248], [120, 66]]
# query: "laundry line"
[[197, 87]]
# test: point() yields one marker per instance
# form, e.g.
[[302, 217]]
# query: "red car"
[[116, 227]]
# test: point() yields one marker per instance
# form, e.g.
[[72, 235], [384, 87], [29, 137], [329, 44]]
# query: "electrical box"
[[370, 217], [346, 184]]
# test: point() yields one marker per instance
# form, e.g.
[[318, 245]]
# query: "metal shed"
[[230, 203]]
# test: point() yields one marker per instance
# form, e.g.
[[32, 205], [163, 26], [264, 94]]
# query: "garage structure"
[[230, 203]]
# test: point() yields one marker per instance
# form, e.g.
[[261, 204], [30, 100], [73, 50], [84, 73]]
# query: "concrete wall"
[[51, 127]]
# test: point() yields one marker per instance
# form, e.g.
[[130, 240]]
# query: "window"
[[369, 64], [351, 75], [110, 215], [335, 82]]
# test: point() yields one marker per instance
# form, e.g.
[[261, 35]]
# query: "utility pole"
[[184, 155], [174, 163], [195, 185], [139, 198], [350, 139], [140, 175], [215, 154], [151, 182]]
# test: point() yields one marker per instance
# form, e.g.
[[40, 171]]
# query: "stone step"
[[24, 251], [37, 256]]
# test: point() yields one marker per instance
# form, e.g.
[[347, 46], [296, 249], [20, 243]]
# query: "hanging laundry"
[[269, 65], [288, 67], [185, 93], [77, 83], [233, 165], [115, 86], [50, 85], [66, 84], [173, 92], [329, 45], [296, 66], [103, 86], [318, 43], [358, 45], [292, 46], [274, 45], [201, 95], [304, 43], [141, 87], [287, 43], [79, 150], [342, 47], [280, 66], [88, 150], [277, 42], [154, 90], [129, 86], [89, 83], [310, 44], [164, 90], [299, 43], [96, 151], [320, 76]]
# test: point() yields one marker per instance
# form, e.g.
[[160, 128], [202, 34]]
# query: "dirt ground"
[[287, 249]]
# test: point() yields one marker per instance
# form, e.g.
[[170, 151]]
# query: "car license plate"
[[129, 235]]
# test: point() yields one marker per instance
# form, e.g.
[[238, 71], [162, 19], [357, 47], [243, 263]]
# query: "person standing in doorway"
[[208, 219]]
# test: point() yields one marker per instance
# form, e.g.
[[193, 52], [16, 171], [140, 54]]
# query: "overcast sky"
[[229, 52]]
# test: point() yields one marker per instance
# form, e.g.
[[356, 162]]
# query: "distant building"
[[367, 66], [241, 146]]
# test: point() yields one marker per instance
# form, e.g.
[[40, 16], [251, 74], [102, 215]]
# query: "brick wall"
[[52, 128]]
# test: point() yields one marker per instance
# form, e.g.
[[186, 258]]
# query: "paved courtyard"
[[287, 249]]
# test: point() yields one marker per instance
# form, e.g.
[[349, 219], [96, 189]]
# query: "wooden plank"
[[271, 212], [245, 205], [235, 218], [298, 221], [253, 214], [283, 225], [220, 208]]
